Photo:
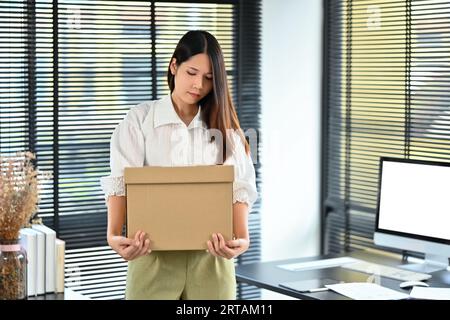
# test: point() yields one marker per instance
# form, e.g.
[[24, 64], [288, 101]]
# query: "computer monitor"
[[413, 211]]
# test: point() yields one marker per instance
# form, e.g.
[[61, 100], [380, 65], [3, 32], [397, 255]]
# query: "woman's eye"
[[191, 74], [209, 78]]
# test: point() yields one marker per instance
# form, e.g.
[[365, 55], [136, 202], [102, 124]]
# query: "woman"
[[196, 124]]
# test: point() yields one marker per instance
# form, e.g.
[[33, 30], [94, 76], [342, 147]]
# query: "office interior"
[[329, 86]]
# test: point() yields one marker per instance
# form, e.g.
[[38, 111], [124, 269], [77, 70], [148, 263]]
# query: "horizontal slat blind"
[[46, 144], [387, 94], [103, 69], [96, 273], [14, 61], [430, 81]]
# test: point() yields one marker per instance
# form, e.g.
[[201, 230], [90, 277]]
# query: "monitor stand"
[[430, 264]]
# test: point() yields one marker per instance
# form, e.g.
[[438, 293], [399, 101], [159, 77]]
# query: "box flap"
[[186, 174]]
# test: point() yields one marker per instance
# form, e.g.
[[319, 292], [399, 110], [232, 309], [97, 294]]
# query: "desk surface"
[[268, 276]]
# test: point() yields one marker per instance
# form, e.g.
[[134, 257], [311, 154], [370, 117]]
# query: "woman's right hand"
[[129, 248]]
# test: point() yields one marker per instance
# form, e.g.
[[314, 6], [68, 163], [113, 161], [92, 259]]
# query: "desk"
[[267, 275]]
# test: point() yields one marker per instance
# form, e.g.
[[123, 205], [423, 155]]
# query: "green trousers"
[[186, 275]]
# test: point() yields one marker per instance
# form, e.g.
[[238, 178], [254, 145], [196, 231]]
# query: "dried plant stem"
[[19, 193]]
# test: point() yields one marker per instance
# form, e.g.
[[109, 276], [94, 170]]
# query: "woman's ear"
[[173, 66]]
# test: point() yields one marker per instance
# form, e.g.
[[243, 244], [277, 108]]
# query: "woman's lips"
[[194, 95]]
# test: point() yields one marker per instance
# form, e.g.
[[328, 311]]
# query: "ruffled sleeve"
[[127, 149], [244, 185]]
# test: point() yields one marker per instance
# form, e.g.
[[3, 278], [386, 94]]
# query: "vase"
[[13, 270]]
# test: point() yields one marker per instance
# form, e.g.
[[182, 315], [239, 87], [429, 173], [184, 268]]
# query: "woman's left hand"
[[226, 249]]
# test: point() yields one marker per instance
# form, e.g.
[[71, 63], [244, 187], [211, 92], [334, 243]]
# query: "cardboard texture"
[[180, 207]]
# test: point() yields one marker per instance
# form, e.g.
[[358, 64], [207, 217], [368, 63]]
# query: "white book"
[[50, 257], [28, 240], [60, 257], [40, 262]]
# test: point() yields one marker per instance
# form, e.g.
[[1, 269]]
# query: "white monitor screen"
[[415, 199]]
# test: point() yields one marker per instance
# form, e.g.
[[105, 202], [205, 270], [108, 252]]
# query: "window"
[[69, 72], [386, 93]]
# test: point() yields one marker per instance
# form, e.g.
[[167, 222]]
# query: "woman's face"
[[193, 78]]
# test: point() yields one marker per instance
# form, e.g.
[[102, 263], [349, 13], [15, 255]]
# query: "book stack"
[[45, 256], [60, 258]]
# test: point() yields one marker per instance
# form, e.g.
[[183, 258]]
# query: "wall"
[[290, 128]]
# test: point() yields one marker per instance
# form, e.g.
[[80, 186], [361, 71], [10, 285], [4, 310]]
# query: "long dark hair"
[[218, 111]]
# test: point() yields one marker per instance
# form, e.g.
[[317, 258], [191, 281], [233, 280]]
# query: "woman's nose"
[[198, 83]]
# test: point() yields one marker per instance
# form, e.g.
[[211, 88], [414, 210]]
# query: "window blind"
[[71, 70], [15, 74], [386, 93]]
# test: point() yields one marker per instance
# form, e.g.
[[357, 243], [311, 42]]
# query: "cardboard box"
[[180, 207]]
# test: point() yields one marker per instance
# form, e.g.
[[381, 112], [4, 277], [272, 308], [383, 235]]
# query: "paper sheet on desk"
[[430, 293], [366, 291], [317, 264]]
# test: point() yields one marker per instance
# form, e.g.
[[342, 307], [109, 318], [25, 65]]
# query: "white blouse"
[[152, 134]]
